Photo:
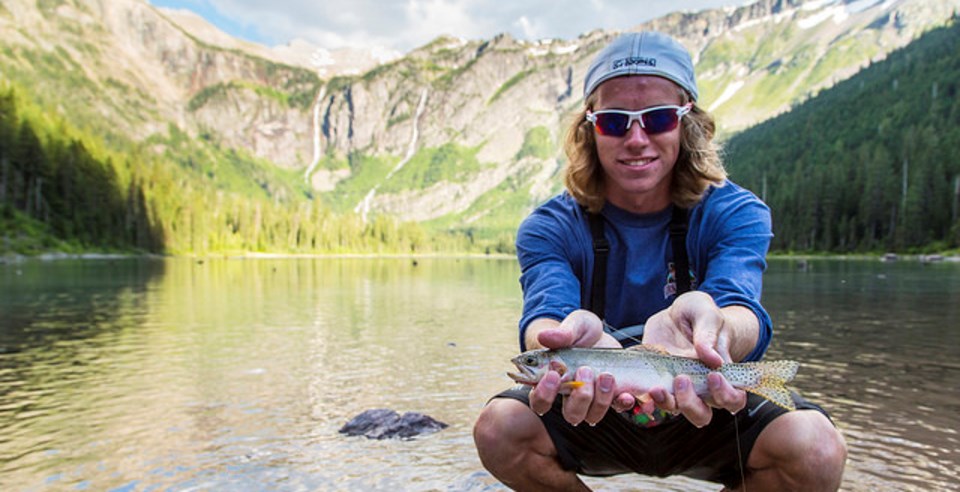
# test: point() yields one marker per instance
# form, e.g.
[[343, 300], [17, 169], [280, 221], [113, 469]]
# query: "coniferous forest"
[[870, 165], [57, 190]]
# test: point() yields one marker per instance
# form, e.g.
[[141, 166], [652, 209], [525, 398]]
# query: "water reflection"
[[880, 351], [237, 374]]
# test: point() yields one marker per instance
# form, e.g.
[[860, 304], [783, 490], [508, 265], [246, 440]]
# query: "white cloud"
[[525, 27], [427, 19], [407, 24]]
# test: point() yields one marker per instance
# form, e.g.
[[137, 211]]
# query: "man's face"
[[638, 165]]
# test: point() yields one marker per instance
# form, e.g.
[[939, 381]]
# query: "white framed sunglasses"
[[658, 119]]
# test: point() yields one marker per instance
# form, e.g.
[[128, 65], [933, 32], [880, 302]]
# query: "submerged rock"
[[383, 423]]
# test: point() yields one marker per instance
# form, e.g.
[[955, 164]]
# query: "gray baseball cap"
[[642, 53]]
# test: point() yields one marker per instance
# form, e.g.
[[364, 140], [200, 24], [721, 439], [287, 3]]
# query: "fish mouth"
[[524, 375]]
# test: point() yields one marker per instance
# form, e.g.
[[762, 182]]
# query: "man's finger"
[[576, 405], [689, 404], [555, 338], [705, 343], [603, 397], [623, 402], [724, 395], [544, 393], [663, 400]]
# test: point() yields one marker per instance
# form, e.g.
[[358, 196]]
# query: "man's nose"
[[636, 134]]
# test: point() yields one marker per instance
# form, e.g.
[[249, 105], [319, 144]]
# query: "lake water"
[[233, 374]]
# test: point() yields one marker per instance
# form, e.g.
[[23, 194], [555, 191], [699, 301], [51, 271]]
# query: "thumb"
[[585, 328], [555, 338], [712, 348]]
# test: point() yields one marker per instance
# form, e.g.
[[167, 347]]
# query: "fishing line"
[[743, 478]]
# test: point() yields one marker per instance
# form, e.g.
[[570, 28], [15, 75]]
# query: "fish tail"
[[772, 378]]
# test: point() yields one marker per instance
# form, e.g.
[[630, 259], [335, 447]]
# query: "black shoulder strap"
[[678, 238], [601, 248]]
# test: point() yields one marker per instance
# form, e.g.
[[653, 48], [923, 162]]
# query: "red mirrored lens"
[[654, 122], [659, 121], [612, 124]]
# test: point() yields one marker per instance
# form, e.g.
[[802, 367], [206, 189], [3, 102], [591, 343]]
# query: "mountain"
[[458, 135], [297, 53], [122, 67], [492, 98]]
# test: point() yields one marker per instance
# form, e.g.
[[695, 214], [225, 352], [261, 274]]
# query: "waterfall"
[[316, 135], [414, 135], [363, 208]]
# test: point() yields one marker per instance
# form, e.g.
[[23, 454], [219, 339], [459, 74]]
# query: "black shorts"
[[617, 444]]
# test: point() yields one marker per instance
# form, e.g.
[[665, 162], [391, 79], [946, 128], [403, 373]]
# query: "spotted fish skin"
[[638, 371]]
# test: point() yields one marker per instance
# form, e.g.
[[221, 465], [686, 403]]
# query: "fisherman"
[[650, 243]]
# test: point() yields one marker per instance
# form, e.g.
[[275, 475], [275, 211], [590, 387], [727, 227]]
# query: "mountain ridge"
[[456, 134], [516, 73]]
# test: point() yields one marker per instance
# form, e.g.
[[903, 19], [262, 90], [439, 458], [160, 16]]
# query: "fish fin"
[[779, 396], [559, 366], [772, 380], [784, 370], [571, 385], [567, 387], [650, 347]]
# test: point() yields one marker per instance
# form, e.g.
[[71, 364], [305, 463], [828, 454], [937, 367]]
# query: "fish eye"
[[530, 360]]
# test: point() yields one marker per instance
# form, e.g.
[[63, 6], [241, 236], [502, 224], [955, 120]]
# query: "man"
[[658, 247]]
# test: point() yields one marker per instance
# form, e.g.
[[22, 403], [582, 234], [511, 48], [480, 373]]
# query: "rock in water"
[[383, 423], [370, 423], [415, 424]]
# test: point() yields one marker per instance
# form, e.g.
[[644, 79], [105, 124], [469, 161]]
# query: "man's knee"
[[828, 452], [516, 448], [820, 443], [804, 449], [503, 422], [502, 435]]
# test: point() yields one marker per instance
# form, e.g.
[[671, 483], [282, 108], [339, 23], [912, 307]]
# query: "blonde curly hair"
[[698, 165]]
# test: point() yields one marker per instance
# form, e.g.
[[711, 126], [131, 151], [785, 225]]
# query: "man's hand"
[[591, 401], [693, 326], [580, 328]]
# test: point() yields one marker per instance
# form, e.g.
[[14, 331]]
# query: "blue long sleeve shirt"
[[727, 241]]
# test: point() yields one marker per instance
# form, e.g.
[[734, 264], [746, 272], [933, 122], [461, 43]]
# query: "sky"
[[402, 25]]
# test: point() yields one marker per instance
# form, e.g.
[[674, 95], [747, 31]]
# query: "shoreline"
[[94, 256], [60, 256]]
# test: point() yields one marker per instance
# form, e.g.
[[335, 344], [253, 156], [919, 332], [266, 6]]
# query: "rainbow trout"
[[638, 370]]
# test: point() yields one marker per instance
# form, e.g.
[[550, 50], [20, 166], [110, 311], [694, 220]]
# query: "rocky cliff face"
[[370, 142], [138, 69], [753, 62]]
